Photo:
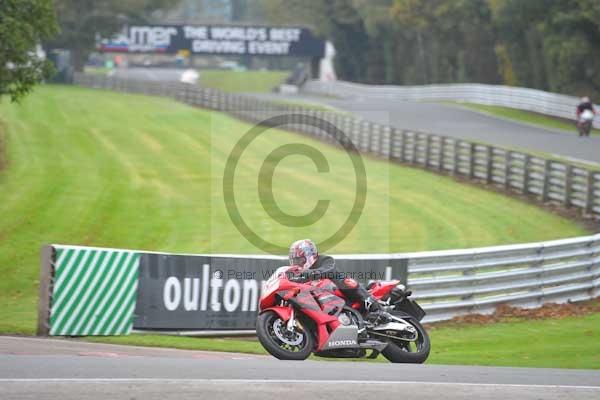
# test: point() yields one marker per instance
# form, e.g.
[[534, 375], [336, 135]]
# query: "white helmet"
[[303, 254]]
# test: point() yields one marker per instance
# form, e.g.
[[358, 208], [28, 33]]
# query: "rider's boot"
[[373, 310]]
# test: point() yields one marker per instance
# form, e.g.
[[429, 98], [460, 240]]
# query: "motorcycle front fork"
[[291, 324]]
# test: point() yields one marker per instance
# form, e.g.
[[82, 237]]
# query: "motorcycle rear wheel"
[[270, 328], [584, 128], [398, 351]]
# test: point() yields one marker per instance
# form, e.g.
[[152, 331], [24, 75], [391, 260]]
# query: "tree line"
[[546, 44], [69, 24], [551, 45]]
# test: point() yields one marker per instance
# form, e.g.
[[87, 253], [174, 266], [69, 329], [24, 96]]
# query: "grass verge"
[[227, 80], [97, 70], [242, 81], [2, 148], [554, 343]]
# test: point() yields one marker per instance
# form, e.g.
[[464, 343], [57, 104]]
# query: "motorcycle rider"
[[585, 114], [311, 266]]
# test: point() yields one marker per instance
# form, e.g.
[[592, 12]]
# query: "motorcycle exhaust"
[[396, 330]]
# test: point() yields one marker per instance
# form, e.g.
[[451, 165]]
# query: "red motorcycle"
[[297, 319]]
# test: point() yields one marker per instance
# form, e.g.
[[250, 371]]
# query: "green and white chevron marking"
[[94, 291]]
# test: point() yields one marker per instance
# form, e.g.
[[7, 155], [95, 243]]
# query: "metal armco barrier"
[[547, 180], [556, 105], [95, 291], [457, 282], [202, 292]]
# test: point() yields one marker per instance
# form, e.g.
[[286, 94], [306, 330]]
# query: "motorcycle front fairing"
[[323, 308], [319, 304]]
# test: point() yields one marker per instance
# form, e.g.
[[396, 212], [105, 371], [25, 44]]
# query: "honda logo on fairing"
[[342, 343]]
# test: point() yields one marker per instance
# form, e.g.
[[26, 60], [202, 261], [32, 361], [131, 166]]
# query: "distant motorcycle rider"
[[585, 115], [311, 266]]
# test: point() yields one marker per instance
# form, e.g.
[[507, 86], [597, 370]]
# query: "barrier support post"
[[456, 156], [441, 154], [489, 165], [526, 174], [507, 170], [589, 198], [568, 185], [472, 155], [46, 273], [546, 183]]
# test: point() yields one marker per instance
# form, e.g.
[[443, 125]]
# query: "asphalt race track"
[[32, 368], [443, 119], [459, 122]]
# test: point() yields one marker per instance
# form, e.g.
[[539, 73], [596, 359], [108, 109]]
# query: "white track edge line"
[[327, 381]]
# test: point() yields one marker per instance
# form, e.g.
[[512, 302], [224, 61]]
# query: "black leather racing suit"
[[585, 106], [324, 268]]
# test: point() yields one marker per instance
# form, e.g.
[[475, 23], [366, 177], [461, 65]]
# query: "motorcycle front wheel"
[[281, 343], [587, 128], [399, 351]]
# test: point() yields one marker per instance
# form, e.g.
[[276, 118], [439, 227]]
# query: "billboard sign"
[[194, 292], [216, 39]]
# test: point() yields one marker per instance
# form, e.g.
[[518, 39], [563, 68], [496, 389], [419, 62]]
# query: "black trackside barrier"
[[189, 292]]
